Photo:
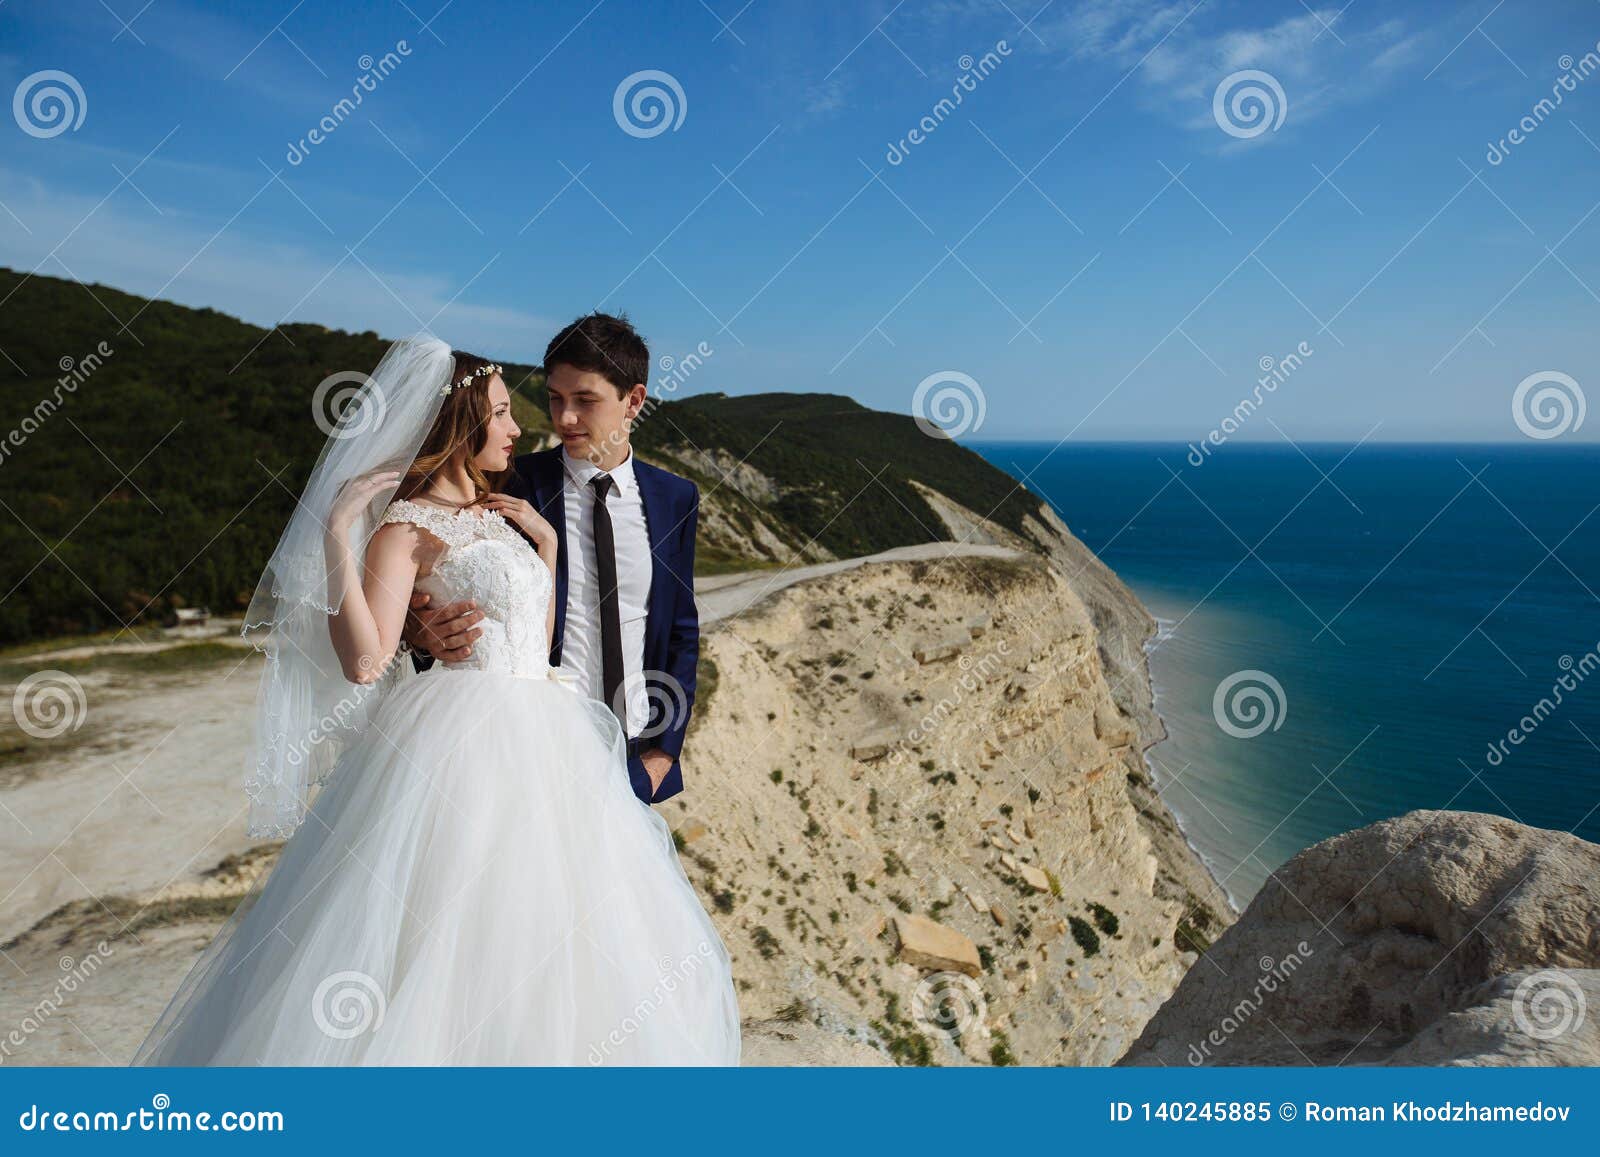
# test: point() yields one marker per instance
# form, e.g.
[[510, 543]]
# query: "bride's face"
[[502, 432]]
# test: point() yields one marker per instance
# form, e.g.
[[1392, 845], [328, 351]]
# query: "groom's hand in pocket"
[[447, 633], [656, 765]]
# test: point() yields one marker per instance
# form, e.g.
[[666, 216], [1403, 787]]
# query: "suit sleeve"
[[683, 641]]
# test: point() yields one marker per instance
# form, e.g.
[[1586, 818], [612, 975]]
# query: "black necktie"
[[605, 567]]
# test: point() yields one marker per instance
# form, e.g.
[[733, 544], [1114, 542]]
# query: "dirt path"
[[146, 793], [723, 595]]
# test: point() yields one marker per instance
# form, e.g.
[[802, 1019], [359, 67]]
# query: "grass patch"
[[710, 561], [1000, 1053], [1195, 930], [1104, 918], [99, 638], [706, 676], [766, 943], [166, 660]]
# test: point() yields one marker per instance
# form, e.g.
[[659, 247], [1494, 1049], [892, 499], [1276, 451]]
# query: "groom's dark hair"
[[601, 344]]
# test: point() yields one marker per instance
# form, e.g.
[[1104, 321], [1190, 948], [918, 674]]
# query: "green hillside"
[[159, 474], [845, 470]]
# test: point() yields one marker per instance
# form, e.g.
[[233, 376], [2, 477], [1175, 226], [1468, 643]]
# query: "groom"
[[627, 630]]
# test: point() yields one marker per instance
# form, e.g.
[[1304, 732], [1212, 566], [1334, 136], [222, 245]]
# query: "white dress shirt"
[[580, 647]]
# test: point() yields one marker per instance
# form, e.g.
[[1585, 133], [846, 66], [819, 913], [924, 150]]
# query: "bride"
[[476, 883]]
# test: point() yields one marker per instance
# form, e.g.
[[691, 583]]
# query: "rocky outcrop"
[[736, 528], [1122, 628], [931, 748], [1434, 938], [1529, 1017]]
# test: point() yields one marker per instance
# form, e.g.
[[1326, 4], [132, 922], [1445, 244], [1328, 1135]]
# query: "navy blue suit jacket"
[[672, 621]]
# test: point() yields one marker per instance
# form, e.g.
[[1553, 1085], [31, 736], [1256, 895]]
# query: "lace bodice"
[[485, 559]]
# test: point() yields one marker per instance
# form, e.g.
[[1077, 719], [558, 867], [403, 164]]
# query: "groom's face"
[[588, 416]]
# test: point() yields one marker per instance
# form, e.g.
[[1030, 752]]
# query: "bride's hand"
[[521, 513], [357, 495]]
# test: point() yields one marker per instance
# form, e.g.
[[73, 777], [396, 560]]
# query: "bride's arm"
[[372, 598]]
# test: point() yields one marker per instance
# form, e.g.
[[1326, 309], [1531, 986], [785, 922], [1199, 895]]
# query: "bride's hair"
[[462, 427]]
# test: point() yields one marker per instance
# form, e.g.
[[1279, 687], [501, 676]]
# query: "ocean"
[[1349, 633]]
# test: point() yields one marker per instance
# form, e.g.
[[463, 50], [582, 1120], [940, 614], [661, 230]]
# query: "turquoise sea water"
[[1418, 606]]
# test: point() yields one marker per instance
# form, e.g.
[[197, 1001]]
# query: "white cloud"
[[1322, 59], [177, 257]]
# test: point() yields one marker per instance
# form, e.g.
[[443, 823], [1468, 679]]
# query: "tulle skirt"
[[476, 885]]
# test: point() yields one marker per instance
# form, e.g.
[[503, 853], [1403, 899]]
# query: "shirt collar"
[[582, 471]]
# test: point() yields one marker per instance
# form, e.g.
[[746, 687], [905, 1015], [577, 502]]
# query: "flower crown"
[[487, 371]]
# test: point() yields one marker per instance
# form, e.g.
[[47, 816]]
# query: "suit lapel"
[[656, 517], [546, 482]]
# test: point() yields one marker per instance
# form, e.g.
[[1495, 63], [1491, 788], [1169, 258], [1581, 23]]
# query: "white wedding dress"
[[476, 884]]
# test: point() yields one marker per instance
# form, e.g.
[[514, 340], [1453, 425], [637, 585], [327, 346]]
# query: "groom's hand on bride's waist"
[[447, 633]]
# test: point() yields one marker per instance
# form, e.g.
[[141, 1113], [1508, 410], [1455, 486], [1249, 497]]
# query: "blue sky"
[[1080, 236]]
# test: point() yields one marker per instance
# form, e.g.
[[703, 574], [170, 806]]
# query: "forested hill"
[[150, 454]]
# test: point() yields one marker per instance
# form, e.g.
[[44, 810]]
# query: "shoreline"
[[1163, 631]]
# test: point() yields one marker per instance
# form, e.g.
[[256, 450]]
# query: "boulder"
[[1434, 938], [1529, 1017]]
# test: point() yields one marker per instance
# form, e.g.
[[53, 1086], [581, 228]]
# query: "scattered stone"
[[1035, 878], [939, 652], [935, 948], [872, 748]]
